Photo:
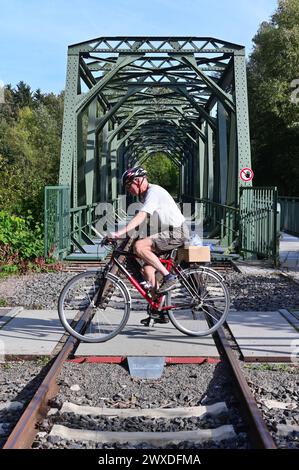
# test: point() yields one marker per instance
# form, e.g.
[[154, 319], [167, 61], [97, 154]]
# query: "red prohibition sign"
[[246, 174]]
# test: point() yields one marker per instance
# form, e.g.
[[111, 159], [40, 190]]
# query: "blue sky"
[[34, 34]]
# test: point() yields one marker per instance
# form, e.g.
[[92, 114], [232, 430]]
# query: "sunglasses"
[[129, 184]]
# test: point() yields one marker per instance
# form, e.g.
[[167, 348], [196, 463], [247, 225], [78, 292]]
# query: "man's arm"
[[135, 222]]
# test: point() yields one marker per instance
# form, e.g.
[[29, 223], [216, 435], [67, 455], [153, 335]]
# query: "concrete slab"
[[295, 312], [264, 336], [4, 310], [31, 333], [160, 340], [289, 252], [7, 314], [291, 318]]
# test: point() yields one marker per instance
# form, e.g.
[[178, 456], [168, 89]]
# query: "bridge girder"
[[127, 97]]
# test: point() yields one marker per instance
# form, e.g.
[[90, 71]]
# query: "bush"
[[18, 239], [22, 247]]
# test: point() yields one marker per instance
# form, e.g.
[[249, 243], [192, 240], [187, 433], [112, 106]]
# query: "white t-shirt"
[[160, 204]]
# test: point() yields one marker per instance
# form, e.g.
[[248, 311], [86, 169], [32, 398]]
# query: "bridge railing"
[[57, 222], [83, 218], [66, 227], [289, 214], [253, 225], [259, 231], [219, 221]]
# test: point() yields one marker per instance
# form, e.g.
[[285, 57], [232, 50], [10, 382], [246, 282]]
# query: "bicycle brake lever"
[[108, 241]]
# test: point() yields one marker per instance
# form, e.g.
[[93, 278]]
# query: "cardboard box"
[[194, 254]]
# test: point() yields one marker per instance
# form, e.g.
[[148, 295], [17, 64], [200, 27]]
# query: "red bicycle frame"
[[157, 303]]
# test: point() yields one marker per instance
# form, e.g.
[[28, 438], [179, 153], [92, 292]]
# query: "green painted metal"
[[251, 228], [221, 221], [259, 233], [289, 214], [222, 151], [242, 118], [57, 221], [83, 219], [129, 97]]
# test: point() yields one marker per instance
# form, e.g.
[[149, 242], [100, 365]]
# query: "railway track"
[[191, 424]]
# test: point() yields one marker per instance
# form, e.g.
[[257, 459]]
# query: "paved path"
[[263, 335], [289, 252]]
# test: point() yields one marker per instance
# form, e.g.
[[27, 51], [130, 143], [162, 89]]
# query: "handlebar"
[[106, 241]]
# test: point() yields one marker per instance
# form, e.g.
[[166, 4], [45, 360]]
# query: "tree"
[[30, 139], [272, 68], [23, 95], [161, 170]]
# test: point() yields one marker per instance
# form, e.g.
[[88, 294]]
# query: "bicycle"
[[197, 306]]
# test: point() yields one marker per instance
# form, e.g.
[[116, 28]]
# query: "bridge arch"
[[127, 97]]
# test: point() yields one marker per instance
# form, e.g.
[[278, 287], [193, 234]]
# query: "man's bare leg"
[[149, 274], [143, 248]]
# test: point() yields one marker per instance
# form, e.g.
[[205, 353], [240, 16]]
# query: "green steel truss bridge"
[[127, 98]]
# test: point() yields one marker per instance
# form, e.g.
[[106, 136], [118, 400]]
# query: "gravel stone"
[[261, 292], [249, 291], [276, 382], [19, 381], [111, 386]]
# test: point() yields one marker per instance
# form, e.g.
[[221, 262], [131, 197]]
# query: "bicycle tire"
[[207, 269], [77, 303], [190, 318]]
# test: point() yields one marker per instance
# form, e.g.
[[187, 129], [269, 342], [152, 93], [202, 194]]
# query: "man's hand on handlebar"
[[106, 241], [115, 236], [111, 239]]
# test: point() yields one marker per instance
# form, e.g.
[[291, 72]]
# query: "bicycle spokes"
[[107, 313], [200, 302]]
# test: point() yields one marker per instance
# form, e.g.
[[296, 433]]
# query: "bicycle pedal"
[[150, 321], [162, 320], [146, 321]]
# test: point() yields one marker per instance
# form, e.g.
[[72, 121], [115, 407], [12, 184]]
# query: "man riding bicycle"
[[172, 231]]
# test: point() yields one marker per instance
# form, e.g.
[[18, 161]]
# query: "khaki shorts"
[[170, 239]]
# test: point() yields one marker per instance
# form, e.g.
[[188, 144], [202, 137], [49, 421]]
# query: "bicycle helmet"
[[132, 173]]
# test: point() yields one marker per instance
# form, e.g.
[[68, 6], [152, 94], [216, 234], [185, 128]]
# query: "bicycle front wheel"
[[200, 303], [104, 302]]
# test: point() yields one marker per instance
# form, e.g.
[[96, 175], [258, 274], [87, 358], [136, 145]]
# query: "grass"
[[43, 361], [272, 367], [7, 365], [3, 302]]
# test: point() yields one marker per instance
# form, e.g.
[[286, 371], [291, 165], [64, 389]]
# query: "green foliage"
[[273, 66], [21, 246], [17, 239], [30, 139], [161, 170]]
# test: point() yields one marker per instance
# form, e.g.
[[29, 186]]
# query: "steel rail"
[[258, 431], [25, 430]]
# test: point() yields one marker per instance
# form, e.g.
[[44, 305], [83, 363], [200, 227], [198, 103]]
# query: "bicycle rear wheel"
[[106, 314], [200, 302]]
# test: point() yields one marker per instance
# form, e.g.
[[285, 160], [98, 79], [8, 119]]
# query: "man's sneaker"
[[169, 282], [161, 318]]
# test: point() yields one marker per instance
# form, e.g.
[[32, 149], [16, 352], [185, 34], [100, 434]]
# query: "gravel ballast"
[[18, 383], [258, 292], [111, 386], [279, 384]]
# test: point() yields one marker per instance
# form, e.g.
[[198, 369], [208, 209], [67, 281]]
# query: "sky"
[[35, 34]]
